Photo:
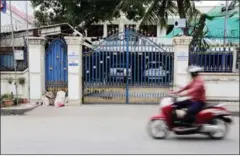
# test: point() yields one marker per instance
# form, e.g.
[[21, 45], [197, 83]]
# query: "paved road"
[[101, 129]]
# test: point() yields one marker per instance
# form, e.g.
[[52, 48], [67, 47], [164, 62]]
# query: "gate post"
[[181, 57], [75, 66], [36, 52]]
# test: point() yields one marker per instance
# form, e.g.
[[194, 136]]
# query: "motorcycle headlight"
[[165, 102]]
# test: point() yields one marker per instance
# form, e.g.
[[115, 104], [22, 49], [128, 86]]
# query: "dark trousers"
[[193, 107]]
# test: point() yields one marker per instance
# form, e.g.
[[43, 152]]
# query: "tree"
[[80, 13], [158, 11]]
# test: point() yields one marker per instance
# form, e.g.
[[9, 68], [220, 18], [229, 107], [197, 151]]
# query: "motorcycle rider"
[[196, 91]]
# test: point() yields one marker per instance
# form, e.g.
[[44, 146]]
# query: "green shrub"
[[21, 80], [6, 96], [19, 100]]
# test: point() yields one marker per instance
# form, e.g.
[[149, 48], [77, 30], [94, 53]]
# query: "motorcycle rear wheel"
[[223, 129], [158, 129]]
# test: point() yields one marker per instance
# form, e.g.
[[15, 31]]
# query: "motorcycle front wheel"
[[158, 129]]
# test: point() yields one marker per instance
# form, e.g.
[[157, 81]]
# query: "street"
[[101, 129]]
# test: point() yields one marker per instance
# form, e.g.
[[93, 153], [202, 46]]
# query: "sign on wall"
[[182, 62], [19, 55], [182, 56], [73, 62]]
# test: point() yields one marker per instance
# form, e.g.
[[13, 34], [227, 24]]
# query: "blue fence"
[[144, 68], [216, 59], [127, 67]]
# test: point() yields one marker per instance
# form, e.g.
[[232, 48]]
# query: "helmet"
[[194, 69]]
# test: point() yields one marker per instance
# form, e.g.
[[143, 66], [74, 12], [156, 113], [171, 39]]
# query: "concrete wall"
[[222, 86], [7, 88]]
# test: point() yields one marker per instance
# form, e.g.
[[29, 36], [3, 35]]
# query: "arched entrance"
[[56, 72]]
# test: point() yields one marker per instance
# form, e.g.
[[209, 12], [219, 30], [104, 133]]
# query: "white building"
[[19, 16]]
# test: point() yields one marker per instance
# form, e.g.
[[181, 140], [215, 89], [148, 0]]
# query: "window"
[[7, 63], [112, 29], [7, 59], [95, 31], [149, 30], [170, 29], [131, 26]]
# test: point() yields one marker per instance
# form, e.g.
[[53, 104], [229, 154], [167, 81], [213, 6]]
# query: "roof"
[[42, 27], [217, 12]]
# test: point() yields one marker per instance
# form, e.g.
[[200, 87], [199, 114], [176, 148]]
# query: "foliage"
[[82, 13], [158, 11], [73, 12], [198, 33], [21, 80], [7, 96], [18, 100], [10, 80], [78, 13]]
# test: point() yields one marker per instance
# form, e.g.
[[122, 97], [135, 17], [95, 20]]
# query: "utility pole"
[[225, 23], [28, 53], [225, 34], [15, 63]]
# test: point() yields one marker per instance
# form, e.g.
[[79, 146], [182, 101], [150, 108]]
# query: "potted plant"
[[10, 80], [7, 100], [18, 101], [21, 80]]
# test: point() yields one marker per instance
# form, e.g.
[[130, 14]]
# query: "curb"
[[17, 110], [233, 113]]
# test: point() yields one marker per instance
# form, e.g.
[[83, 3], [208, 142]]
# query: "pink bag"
[[60, 105]]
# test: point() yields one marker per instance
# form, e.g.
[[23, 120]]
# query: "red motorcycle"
[[212, 120]]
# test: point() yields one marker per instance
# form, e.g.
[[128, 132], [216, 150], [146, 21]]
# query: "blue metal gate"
[[56, 66], [127, 67]]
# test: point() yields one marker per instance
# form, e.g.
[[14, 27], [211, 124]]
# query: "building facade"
[[20, 18]]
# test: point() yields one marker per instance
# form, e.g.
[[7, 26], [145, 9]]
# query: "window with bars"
[[7, 61], [149, 30], [169, 29], [112, 29], [131, 26], [95, 31]]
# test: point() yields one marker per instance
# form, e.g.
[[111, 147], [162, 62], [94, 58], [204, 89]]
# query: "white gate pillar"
[[181, 57], [36, 49], [75, 65]]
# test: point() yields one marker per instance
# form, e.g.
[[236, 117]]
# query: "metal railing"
[[214, 59]]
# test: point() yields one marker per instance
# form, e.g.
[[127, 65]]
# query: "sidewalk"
[[233, 107], [18, 110]]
